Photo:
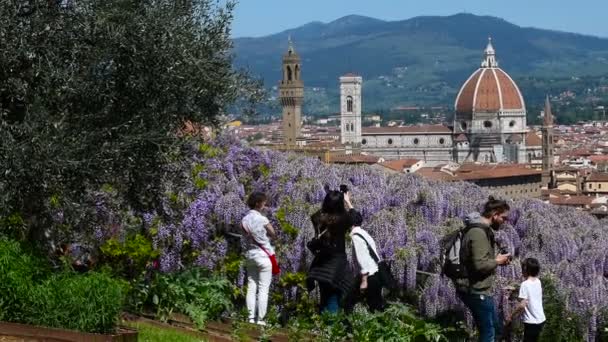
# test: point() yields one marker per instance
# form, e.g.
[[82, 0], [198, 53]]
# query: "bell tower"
[[291, 93], [350, 109], [547, 130]]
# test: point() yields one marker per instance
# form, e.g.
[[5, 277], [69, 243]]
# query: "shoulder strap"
[[254, 240], [372, 253], [482, 227]]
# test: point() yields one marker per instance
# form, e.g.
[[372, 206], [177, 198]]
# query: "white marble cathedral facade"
[[489, 123]]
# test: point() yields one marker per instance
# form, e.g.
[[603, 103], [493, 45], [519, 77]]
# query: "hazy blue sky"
[[261, 17]]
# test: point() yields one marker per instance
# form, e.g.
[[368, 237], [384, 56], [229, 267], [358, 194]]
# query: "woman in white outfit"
[[259, 267]]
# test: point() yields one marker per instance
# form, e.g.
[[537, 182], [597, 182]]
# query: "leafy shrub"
[[90, 302], [561, 324], [398, 323], [18, 270], [131, 254], [191, 292]]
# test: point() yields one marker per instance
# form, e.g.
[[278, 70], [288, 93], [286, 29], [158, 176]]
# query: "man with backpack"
[[471, 262]]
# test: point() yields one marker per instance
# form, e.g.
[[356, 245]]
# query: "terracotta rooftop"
[[354, 159], [599, 158], [572, 200], [556, 192], [400, 164], [598, 177], [420, 129], [473, 172], [532, 139]]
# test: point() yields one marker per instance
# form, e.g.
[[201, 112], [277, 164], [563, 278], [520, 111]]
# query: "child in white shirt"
[[366, 254], [531, 301]]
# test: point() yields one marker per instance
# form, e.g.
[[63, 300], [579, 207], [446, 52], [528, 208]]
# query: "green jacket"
[[479, 258]]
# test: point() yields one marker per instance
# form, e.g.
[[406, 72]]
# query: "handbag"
[[316, 244], [273, 258], [384, 268]]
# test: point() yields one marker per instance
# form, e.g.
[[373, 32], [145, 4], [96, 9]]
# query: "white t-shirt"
[[532, 290], [255, 223], [366, 263]]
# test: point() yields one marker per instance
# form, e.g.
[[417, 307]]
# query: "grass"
[[151, 333]]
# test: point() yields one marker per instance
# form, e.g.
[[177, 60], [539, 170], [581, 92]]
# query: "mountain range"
[[422, 60]]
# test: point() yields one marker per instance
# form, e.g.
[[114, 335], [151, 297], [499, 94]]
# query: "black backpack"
[[452, 264]]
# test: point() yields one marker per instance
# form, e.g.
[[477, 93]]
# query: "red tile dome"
[[489, 89]]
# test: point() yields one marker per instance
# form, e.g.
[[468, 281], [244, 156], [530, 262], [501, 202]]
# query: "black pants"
[[532, 332], [372, 295]]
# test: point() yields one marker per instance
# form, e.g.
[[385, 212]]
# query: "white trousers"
[[259, 275]]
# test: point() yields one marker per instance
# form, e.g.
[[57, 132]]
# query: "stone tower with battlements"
[[291, 93]]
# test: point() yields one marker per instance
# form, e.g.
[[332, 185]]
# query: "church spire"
[[547, 130], [489, 56], [290, 49], [548, 116]]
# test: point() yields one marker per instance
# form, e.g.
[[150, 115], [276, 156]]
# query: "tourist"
[[480, 261], [258, 262], [531, 304], [366, 254], [330, 268]]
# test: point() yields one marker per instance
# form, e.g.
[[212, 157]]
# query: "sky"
[[254, 18]]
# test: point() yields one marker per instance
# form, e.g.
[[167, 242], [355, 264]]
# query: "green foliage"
[[264, 170], [133, 253], [209, 151], [13, 226], [299, 305], [284, 225], [561, 325], [397, 323], [192, 292], [152, 333], [18, 271], [105, 105], [90, 303], [231, 266]]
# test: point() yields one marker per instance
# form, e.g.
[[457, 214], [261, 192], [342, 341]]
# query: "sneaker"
[[252, 321], [262, 323]]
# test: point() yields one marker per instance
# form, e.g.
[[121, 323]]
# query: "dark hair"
[[333, 203], [255, 199], [494, 206], [357, 219], [530, 267]]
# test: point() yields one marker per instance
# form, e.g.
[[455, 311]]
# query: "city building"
[[503, 180], [489, 124]]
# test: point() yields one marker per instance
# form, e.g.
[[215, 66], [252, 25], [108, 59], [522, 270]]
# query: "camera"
[[343, 188], [503, 250]]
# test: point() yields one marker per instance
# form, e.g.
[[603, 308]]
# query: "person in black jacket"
[[330, 268]]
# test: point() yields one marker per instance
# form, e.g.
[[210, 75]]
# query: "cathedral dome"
[[489, 89]]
